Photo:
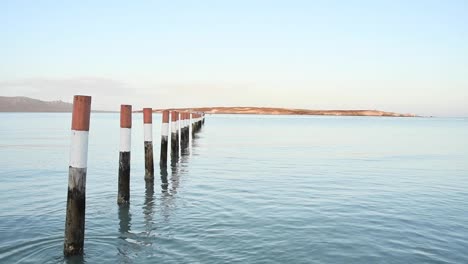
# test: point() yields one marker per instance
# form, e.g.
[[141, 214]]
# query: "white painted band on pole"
[[79, 149], [165, 129], [174, 126], [148, 132], [125, 139]]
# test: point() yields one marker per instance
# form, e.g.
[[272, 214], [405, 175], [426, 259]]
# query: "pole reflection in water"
[[166, 197], [77, 259], [148, 207], [178, 166], [164, 182], [174, 177], [125, 219]]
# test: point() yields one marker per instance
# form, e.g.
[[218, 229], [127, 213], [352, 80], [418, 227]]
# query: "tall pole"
[[76, 198], [124, 156]]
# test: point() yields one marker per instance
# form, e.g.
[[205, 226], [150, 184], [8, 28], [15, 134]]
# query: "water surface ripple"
[[252, 189]]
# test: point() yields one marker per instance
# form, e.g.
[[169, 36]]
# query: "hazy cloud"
[[107, 93], [42, 87]]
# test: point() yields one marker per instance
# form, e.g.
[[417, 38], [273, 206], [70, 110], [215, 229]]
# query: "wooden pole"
[[148, 143], [124, 158], [76, 198], [197, 123], [164, 139], [174, 134], [185, 131]]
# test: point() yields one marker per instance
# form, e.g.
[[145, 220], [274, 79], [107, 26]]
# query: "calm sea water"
[[254, 189]]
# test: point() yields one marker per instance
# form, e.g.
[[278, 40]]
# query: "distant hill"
[[26, 104], [289, 111]]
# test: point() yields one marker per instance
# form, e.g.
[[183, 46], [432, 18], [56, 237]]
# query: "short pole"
[[191, 124], [76, 199], [164, 139], [124, 157], [148, 142], [174, 134], [187, 128], [184, 131], [194, 129], [198, 123]]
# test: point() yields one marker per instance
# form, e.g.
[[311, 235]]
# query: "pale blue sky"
[[403, 56]]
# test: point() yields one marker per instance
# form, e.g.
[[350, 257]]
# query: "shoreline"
[[286, 111]]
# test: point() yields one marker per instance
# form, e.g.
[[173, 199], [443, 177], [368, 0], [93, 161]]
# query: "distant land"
[[287, 111], [26, 104]]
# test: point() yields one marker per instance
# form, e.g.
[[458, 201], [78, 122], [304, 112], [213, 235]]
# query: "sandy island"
[[286, 111], [26, 104]]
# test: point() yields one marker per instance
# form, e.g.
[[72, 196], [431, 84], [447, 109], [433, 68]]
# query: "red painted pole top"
[[126, 116], [147, 115], [81, 112], [174, 116], [165, 116]]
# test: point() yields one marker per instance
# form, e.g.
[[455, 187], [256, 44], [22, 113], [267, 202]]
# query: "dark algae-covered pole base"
[[164, 139], [76, 199], [123, 196], [148, 142], [149, 163]]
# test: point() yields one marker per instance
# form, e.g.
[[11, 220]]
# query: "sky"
[[393, 55]]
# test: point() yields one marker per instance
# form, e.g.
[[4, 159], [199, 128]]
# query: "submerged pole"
[[124, 157], [148, 142], [76, 198], [164, 139]]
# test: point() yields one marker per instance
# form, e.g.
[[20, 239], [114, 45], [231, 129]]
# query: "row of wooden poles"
[[179, 129]]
